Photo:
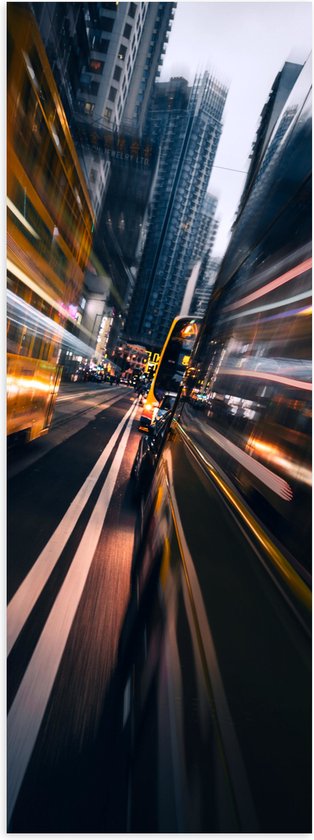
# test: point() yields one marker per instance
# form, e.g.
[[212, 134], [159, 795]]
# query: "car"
[[147, 454]]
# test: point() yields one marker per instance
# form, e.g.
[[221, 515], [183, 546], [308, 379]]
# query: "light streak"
[[20, 312], [276, 305], [269, 377], [21, 218], [275, 456], [274, 284], [307, 311], [14, 383], [286, 570], [42, 294], [267, 477]]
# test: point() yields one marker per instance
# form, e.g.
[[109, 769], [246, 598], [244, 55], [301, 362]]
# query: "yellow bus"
[[173, 362], [49, 229]]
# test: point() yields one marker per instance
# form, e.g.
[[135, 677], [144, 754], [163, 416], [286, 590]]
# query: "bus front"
[[174, 359]]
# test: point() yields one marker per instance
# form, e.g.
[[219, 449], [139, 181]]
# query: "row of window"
[[98, 43], [28, 98], [37, 151]]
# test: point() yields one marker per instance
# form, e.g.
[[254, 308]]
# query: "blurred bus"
[[49, 229], [215, 654], [172, 365]]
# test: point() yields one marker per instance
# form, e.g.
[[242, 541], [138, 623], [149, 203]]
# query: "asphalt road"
[[71, 521]]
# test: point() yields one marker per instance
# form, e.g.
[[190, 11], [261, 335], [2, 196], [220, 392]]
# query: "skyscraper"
[[186, 123], [279, 93], [206, 278], [105, 58], [207, 228]]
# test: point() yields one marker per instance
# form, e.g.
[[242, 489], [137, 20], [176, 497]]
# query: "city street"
[[70, 539], [159, 418]]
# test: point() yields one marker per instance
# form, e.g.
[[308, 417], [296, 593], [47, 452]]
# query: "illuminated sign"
[[152, 362]]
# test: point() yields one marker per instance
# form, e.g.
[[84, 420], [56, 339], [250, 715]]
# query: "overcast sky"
[[244, 45]]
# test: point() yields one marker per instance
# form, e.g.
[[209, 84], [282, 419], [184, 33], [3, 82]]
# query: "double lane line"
[[30, 702]]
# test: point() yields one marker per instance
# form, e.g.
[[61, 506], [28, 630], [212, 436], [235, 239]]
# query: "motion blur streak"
[[270, 479], [78, 394], [38, 291], [275, 456], [296, 584], [284, 278], [26, 596], [20, 312], [30, 702], [16, 382], [21, 218], [226, 732], [270, 377], [285, 302]]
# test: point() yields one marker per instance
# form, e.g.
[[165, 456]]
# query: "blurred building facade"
[[105, 58], [207, 228], [270, 113], [186, 122], [255, 188], [206, 278], [50, 221]]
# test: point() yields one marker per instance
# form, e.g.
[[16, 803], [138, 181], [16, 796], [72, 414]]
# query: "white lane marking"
[[31, 700], [31, 587], [230, 741]]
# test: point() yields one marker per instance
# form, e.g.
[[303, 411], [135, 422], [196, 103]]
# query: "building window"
[[132, 10], [94, 88], [98, 43], [95, 66], [112, 94], [127, 30], [89, 107], [92, 176], [107, 24], [117, 73], [122, 52], [108, 113]]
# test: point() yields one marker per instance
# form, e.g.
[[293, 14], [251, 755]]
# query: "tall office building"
[[205, 282], [259, 182], [186, 122], [271, 111], [207, 228], [105, 58]]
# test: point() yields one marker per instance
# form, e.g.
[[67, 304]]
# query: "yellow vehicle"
[[49, 229], [173, 362]]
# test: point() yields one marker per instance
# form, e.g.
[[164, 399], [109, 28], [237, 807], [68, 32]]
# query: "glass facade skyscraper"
[[186, 122]]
